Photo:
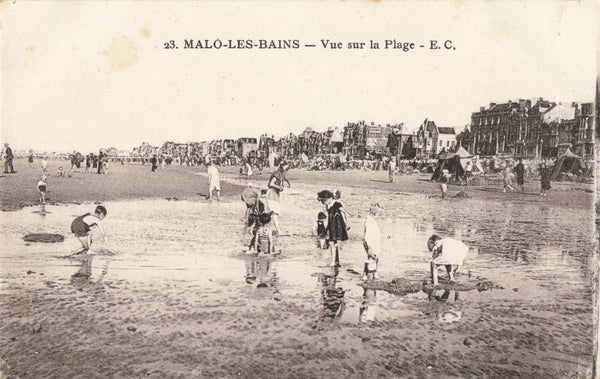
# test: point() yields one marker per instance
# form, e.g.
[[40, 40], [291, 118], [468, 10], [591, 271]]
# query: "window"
[[441, 143], [447, 143]]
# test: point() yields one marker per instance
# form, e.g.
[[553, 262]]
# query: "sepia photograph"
[[302, 189]]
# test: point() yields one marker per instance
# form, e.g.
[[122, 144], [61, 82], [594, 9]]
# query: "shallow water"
[[175, 258]]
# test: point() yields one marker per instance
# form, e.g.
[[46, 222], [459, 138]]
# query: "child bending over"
[[82, 225], [446, 252]]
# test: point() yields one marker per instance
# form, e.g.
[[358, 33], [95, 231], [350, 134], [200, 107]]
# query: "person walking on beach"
[[520, 174], [507, 178], [446, 252], [544, 179], [214, 183], [88, 163], [74, 163], [41, 186], [30, 158], [275, 186], [336, 224], [392, 169], [100, 158], [8, 160], [468, 172], [105, 165], [154, 162], [82, 225], [45, 165]]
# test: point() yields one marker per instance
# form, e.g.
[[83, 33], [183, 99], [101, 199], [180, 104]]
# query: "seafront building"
[[532, 128], [528, 128], [433, 140]]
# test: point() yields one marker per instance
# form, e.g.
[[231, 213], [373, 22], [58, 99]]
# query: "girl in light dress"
[[372, 243], [446, 252]]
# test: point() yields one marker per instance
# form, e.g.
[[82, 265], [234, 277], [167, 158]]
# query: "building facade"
[[532, 128], [433, 140]]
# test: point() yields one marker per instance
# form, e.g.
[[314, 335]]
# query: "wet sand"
[[123, 182], [179, 299]]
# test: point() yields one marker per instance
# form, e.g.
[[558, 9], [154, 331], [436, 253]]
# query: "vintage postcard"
[[275, 189]]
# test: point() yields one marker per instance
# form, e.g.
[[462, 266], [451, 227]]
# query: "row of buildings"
[[531, 128]]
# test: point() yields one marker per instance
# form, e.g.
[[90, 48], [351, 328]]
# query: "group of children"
[[331, 228], [258, 221]]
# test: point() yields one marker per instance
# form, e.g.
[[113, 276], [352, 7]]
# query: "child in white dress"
[[372, 243], [446, 252]]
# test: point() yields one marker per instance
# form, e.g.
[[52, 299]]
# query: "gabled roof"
[[444, 130]]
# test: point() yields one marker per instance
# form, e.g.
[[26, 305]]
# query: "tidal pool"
[[179, 297]]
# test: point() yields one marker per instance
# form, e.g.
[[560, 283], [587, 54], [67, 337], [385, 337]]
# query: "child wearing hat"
[[336, 224], [82, 225], [320, 230], [446, 252]]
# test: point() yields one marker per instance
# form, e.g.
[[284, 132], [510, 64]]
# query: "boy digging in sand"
[[82, 225]]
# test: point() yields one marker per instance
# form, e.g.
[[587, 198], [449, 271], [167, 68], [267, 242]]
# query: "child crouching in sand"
[[372, 243], [446, 252], [82, 225]]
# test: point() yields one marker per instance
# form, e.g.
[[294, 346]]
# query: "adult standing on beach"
[[392, 169], [336, 224], [545, 179], [275, 186], [8, 158], [214, 182], [154, 161], [507, 178], [520, 174], [100, 158]]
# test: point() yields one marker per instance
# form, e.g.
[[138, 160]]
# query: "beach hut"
[[568, 162], [454, 162]]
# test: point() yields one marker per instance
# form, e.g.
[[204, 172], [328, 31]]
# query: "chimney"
[[492, 105], [481, 109]]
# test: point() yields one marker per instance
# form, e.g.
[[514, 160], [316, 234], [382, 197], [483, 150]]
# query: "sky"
[[85, 75]]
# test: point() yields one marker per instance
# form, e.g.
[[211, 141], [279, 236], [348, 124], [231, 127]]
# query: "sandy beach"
[[175, 300]]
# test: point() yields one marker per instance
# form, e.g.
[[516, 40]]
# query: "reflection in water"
[[83, 276], [259, 270], [368, 307], [333, 296], [443, 305], [42, 211]]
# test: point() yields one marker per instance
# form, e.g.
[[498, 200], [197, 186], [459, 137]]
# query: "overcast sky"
[[84, 75]]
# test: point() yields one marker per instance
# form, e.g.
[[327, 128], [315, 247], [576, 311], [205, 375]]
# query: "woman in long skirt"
[[545, 179], [336, 224]]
